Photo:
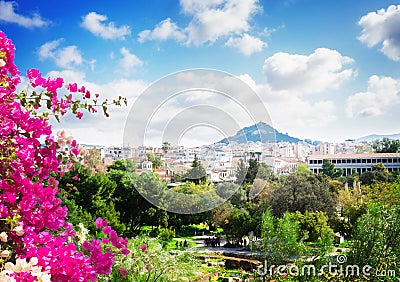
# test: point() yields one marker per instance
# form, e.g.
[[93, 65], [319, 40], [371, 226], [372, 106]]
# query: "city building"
[[284, 166], [357, 162]]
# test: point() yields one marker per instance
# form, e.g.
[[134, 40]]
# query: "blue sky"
[[325, 70]]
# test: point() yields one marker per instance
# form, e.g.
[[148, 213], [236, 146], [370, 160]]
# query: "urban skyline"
[[324, 70]]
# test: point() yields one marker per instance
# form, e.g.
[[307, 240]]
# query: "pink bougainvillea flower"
[[30, 158], [73, 87], [143, 247], [123, 271], [125, 251]]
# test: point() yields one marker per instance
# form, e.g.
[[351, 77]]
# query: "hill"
[[373, 137], [260, 132]]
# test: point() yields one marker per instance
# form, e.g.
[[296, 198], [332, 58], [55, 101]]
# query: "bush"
[[150, 262], [165, 234]]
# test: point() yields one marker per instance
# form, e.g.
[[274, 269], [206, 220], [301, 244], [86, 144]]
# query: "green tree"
[[83, 187], [123, 165], [197, 174], [165, 147], [376, 241], [155, 160], [303, 169], [252, 171], [241, 171], [268, 231], [232, 191], [302, 192], [354, 202], [328, 168], [107, 211], [265, 172], [237, 224], [378, 173], [131, 204], [314, 227], [281, 238], [386, 145], [89, 196]]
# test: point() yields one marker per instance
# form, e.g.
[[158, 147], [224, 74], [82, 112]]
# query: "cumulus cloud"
[[95, 23], [246, 44], [165, 30], [301, 116], [382, 27], [210, 21], [383, 92], [64, 57], [291, 111], [323, 69], [8, 14], [129, 60], [214, 19]]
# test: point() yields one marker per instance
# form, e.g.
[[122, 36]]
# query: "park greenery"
[[65, 216], [295, 216]]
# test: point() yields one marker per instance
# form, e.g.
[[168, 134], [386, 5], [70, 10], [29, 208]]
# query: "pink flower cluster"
[[52, 85], [101, 253], [28, 189]]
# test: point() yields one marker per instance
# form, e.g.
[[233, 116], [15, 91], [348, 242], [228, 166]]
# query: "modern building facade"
[[358, 162]]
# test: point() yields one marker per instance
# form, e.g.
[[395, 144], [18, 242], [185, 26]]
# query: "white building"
[[358, 162], [282, 166]]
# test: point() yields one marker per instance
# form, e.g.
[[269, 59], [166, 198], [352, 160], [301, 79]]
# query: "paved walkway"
[[200, 247]]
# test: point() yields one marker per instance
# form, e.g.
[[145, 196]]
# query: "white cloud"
[[66, 57], [94, 23], [292, 112], [212, 20], [382, 27], [246, 44], [164, 30], [382, 93], [8, 14], [192, 6], [323, 69], [69, 76], [129, 60]]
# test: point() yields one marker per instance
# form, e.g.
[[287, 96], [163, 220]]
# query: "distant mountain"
[[260, 132], [373, 137]]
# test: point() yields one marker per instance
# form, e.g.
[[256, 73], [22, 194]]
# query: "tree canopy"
[[386, 145]]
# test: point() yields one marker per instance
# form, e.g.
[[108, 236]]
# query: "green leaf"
[[49, 94]]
